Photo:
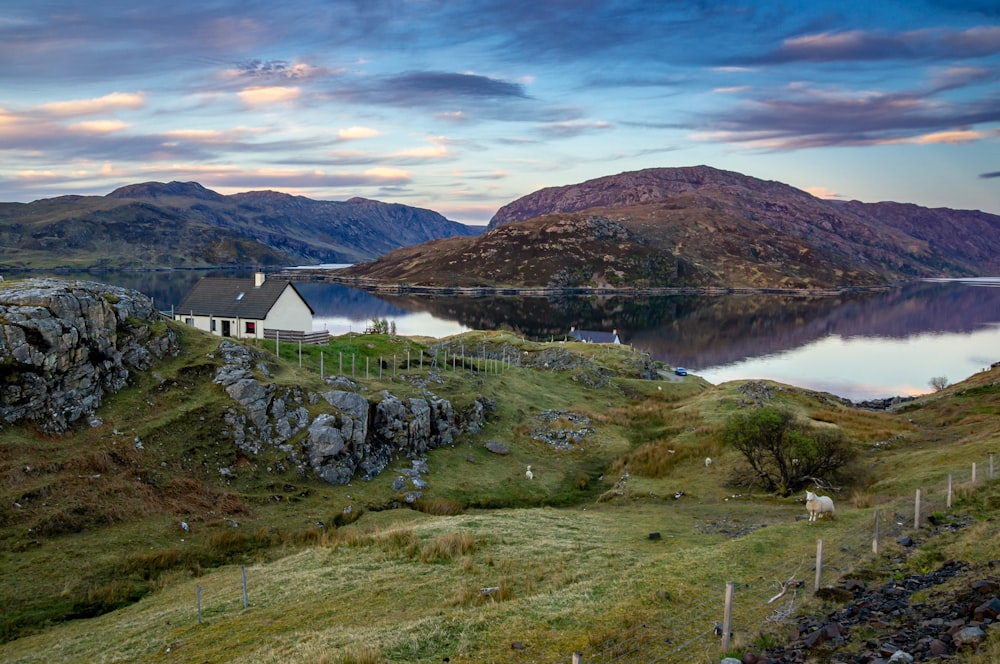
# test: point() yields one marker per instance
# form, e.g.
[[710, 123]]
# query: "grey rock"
[[497, 447], [969, 636], [67, 344]]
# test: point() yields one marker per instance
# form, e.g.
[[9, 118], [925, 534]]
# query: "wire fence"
[[746, 608]]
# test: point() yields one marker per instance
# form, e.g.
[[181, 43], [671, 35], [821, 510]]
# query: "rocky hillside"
[[186, 225], [66, 345], [700, 227], [557, 251]]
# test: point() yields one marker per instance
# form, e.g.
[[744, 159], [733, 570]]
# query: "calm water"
[[858, 346]]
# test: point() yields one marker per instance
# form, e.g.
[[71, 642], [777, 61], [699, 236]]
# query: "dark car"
[[681, 371]]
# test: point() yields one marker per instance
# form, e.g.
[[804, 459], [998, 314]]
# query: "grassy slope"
[[569, 557]]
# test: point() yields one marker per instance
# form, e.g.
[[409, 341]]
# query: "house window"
[[251, 327], [189, 321], [213, 325]]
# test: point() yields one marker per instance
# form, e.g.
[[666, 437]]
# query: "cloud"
[[355, 133], [802, 116], [823, 192], [99, 126], [573, 128], [881, 45], [235, 177], [106, 104], [994, 174], [954, 137], [268, 95], [436, 87]]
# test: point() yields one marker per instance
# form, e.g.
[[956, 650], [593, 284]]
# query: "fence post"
[[340, 360], [819, 564], [352, 365], [380, 367], [407, 359], [916, 511], [973, 472], [949, 491], [727, 616], [245, 602], [578, 658], [875, 538], [197, 590], [393, 365]]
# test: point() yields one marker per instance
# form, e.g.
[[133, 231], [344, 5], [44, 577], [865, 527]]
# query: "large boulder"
[[66, 344]]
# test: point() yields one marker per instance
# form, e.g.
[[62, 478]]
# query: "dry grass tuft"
[[439, 507], [861, 499], [447, 547]]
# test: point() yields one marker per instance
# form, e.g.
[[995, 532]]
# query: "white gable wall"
[[289, 313]]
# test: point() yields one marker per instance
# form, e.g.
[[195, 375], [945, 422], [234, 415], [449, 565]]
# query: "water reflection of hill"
[[709, 331], [695, 331]]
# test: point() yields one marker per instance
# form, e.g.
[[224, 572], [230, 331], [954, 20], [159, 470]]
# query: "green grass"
[[95, 565]]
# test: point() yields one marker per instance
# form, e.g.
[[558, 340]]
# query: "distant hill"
[[183, 224], [700, 226]]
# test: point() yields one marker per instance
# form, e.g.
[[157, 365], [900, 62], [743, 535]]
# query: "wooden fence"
[[295, 336]]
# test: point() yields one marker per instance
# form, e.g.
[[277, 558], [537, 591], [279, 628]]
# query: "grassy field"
[[488, 566]]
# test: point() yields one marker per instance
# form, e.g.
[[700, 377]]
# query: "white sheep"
[[818, 505], [708, 461], [528, 474]]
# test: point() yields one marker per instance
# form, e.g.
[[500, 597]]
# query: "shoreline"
[[375, 286]]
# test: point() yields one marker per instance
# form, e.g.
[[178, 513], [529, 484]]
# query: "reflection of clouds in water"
[[415, 324], [861, 368]]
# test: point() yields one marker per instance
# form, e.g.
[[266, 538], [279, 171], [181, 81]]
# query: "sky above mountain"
[[463, 106]]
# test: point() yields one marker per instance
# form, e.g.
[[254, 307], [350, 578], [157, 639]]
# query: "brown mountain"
[[182, 224], [700, 226]]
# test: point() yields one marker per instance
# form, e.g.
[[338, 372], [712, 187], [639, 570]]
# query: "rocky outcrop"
[[64, 345], [353, 434]]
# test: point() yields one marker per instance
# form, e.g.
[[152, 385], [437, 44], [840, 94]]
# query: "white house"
[[245, 308], [595, 337]]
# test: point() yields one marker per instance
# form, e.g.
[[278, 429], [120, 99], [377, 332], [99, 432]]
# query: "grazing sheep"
[[818, 505], [528, 474], [708, 461]]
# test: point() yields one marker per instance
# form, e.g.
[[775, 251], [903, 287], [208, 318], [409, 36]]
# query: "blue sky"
[[462, 106]]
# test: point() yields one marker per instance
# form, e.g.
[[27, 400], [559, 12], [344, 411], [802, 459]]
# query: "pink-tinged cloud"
[[266, 96], [386, 174], [800, 116], [951, 137], [108, 103], [356, 133], [98, 126], [884, 45], [823, 192]]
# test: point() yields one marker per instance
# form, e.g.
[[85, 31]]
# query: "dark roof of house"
[[217, 296], [594, 337]]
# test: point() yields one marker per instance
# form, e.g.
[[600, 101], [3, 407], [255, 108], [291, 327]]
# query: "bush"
[[783, 454]]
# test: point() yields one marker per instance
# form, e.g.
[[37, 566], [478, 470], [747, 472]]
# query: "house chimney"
[[258, 279]]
